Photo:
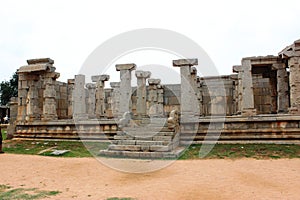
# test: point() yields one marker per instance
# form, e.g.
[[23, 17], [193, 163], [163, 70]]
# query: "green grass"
[[257, 151], [8, 193], [219, 151], [3, 132], [45, 148]]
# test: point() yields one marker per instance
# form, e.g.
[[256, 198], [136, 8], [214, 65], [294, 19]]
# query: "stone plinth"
[[141, 92], [100, 94], [125, 86]]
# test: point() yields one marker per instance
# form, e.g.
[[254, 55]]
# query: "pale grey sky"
[[68, 31]]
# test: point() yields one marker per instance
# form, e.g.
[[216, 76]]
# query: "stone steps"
[[151, 139], [150, 155], [141, 147], [147, 128], [140, 142]]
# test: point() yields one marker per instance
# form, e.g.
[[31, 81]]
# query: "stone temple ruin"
[[259, 102]]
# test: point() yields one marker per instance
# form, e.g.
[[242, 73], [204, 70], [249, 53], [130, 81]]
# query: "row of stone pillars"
[[120, 96], [122, 93]]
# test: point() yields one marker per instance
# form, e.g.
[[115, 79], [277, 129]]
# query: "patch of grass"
[[4, 187], [4, 133], [45, 148], [257, 151], [219, 151], [25, 194]]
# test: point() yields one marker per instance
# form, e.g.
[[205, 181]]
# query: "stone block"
[[156, 154], [160, 148], [185, 62], [123, 137], [153, 81], [126, 142], [145, 155], [144, 138], [40, 60], [145, 147], [114, 147], [115, 84], [142, 74], [162, 138], [103, 77], [129, 66], [169, 155], [131, 154]]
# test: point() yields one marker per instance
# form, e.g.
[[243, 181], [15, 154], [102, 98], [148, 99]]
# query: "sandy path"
[[86, 178]]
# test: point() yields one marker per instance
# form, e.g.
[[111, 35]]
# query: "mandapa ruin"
[[259, 102]]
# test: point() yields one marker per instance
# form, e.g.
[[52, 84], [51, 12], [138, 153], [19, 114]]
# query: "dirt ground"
[[87, 178]]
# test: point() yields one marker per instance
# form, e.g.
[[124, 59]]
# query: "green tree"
[[9, 89]]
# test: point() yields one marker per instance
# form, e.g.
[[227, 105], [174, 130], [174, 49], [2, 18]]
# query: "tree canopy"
[[9, 89]]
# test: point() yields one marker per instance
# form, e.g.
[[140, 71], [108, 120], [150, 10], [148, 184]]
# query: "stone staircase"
[[146, 138]]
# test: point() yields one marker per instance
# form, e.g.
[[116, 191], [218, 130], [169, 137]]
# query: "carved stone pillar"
[[79, 98], [100, 94], [195, 89], [160, 100], [141, 106], [247, 103], [199, 95], [294, 65], [49, 106], [32, 110], [70, 90], [153, 97], [91, 99], [282, 88], [22, 95], [125, 86], [239, 89], [115, 98], [187, 97]]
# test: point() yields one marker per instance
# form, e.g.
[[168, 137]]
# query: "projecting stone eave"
[[185, 62], [291, 50], [226, 77], [36, 68], [263, 60]]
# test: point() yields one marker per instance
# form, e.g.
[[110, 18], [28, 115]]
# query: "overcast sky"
[[68, 31]]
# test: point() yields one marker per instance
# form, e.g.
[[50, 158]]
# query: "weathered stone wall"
[[263, 93], [61, 100], [171, 98]]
